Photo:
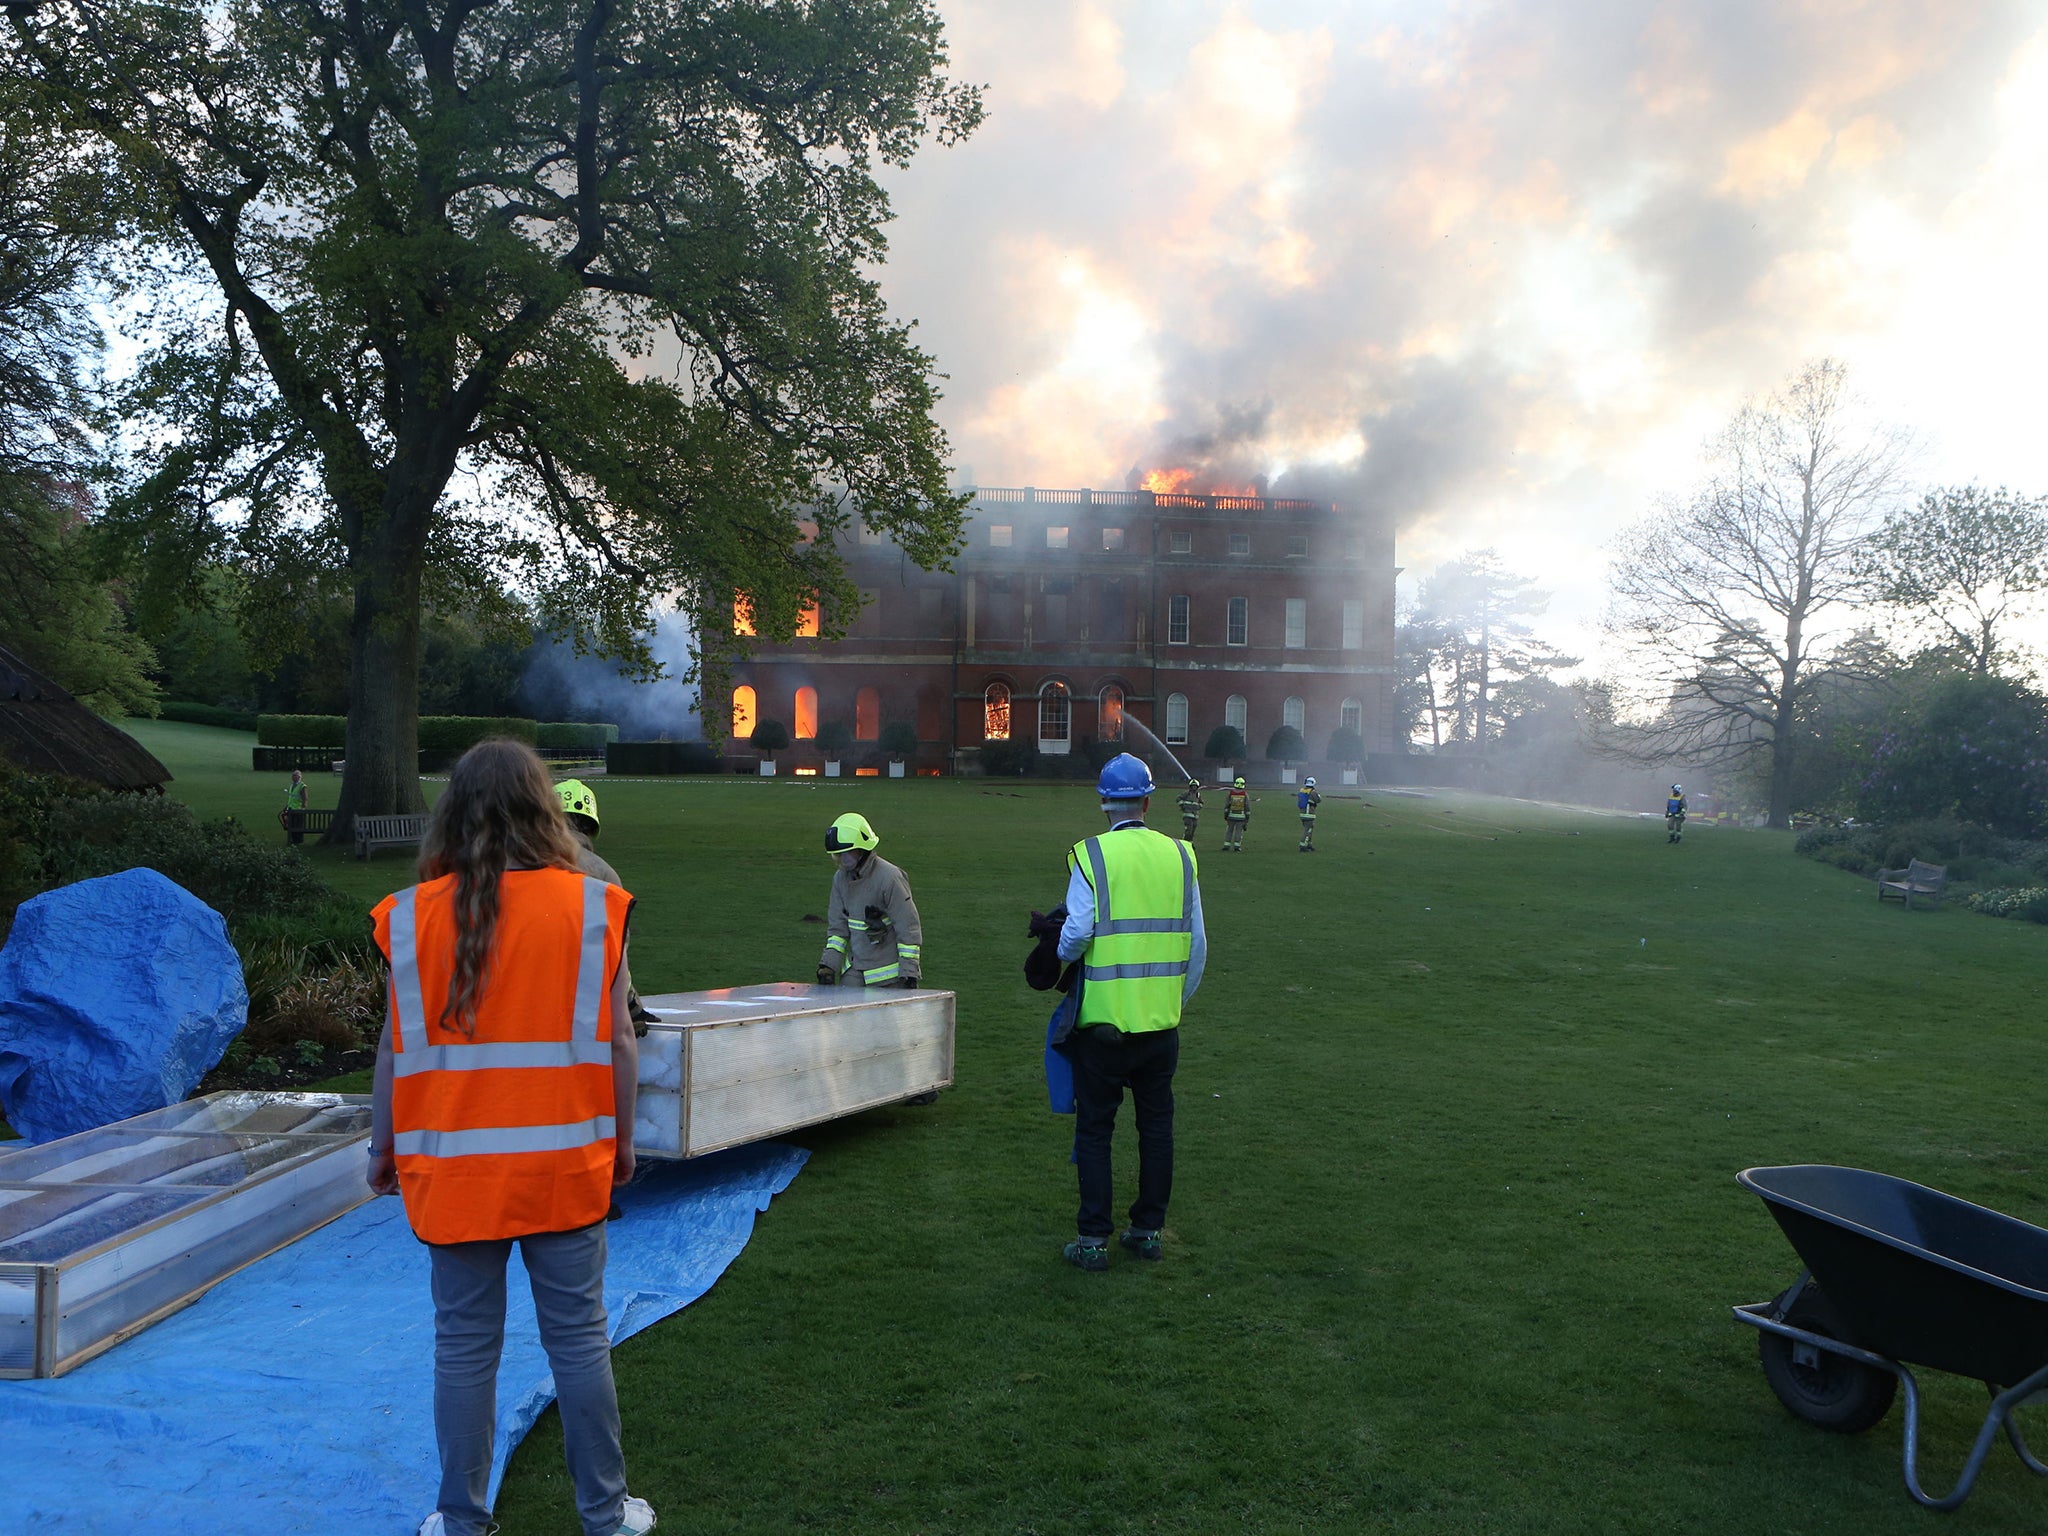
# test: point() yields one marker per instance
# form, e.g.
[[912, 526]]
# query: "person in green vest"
[[295, 809], [1134, 921]]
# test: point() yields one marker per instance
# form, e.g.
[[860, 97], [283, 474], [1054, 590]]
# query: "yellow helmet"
[[578, 799], [849, 832], [1237, 783]]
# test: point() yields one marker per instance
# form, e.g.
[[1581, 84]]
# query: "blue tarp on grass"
[[298, 1395]]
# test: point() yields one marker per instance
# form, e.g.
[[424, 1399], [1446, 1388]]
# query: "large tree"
[[609, 262], [1734, 599], [1472, 618], [1963, 562]]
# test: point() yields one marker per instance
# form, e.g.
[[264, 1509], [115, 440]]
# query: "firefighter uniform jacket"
[[884, 948], [1237, 805], [1306, 803]]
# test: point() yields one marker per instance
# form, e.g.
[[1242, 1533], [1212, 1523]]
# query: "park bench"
[[1916, 879], [316, 822], [374, 832]]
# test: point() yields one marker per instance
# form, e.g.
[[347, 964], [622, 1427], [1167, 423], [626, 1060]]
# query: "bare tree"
[[1733, 598], [1963, 563]]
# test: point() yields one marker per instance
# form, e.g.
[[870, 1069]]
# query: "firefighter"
[[579, 809], [1306, 802], [872, 936], [1237, 811], [1674, 814], [1190, 809]]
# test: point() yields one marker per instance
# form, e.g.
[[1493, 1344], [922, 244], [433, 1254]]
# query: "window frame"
[[1176, 704], [1295, 636], [1353, 621], [989, 704], [1238, 622], [1002, 535], [1180, 541], [1178, 633], [1240, 543], [1059, 535]]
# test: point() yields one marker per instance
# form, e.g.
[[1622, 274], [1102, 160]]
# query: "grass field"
[[1455, 1230]]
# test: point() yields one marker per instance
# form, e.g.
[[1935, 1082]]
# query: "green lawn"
[[1455, 1230]]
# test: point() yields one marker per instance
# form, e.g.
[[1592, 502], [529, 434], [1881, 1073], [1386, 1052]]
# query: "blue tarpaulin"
[[298, 1395], [116, 996]]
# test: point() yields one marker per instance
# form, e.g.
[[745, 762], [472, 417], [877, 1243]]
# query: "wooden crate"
[[105, 1232], [745, 1063]]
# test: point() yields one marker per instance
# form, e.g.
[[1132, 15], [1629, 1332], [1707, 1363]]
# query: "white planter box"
[[831, 770], [767, 770], [1350, 776], [745, 1063], [1225, 775], [895, 770], [105, 1232], [1286, 775]]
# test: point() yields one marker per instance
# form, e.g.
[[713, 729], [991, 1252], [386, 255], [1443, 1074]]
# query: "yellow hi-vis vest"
[[1137, 963]]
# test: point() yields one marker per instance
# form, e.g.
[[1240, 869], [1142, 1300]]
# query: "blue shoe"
[[1089, 1253], [1137, 1240]]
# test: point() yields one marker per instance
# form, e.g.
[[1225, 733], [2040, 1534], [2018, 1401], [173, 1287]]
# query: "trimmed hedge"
[[574, 733], [208, 714], [438, 733], [301, 730], [636, 758]]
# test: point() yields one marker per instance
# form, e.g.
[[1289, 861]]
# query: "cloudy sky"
[[1496, 268]]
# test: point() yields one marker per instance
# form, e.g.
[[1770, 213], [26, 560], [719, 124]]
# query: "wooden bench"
[[1916, 879], [374, 832], [315, 822]]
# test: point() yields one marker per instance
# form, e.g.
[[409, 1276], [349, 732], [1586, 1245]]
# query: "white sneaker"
[[636, 1519]]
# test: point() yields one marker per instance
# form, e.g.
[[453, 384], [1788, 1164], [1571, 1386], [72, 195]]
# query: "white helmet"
[[1310, 782], [1678, 789]]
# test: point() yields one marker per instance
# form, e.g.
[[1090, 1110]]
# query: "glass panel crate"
[[745, 1063], [105, 1232]]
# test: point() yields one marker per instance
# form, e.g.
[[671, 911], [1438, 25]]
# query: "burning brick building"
[[1069, 608]]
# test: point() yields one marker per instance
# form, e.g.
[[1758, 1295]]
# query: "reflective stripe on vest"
[[1137, 960], [513, 1131]]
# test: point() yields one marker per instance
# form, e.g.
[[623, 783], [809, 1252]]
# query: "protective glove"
[[827, 977], [1048, 924], [909, 983]]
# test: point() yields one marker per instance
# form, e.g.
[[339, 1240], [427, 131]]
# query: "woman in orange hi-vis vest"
[[503, 1113]]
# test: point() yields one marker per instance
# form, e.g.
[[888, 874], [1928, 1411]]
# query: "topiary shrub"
[[1347, 746], [574, 734], [770, 737], [301, 730], [208, 714], [1225, 745], [458, 733], [1285, 746], [899, 739], [834, 738]]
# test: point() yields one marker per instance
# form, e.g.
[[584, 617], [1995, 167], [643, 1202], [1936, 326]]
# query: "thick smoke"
[[560, 685]]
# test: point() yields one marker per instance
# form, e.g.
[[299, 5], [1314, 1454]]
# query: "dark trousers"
[[1105, 1064], [295, 826]]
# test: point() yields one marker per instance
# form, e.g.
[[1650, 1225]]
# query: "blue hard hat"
[[1124, 777]]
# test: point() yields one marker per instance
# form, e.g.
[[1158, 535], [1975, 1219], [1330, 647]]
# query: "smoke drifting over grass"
[[560, 685]]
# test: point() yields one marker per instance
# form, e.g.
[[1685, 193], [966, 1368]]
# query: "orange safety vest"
[[509, 1132]]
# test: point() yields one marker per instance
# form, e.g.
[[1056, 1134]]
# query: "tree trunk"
[[382, 777], [1784, 757]]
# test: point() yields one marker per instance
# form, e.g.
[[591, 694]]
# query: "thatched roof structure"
[[45, 730]]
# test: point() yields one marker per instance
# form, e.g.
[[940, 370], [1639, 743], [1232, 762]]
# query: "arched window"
[[742, 614], [1294, 713], [1353, 716], [867, 715], [1055, 717], [744, 717], [1233, 712], [1110, 718], [806, 713], [807, 622], [995, 712], [1176, 719]]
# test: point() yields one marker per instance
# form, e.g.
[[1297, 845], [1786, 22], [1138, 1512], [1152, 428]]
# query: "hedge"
[[574, 733], [438, 733], [208, 714], [661, 757]]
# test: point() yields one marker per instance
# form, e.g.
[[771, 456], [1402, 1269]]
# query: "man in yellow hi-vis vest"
[[1134, 920]]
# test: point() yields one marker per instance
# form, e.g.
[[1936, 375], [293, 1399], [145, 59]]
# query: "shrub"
[[899, 739], [1285, 746], [209, 714], [2028, 903], [573, 733], [769, 737], [650, 758], [458, 733], [1226, 744], [1347, 746], [301, 730], [1008, 759], [834, 737], [1974, 748]]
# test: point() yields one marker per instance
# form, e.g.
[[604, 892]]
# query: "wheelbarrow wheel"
[[1828, 1390]]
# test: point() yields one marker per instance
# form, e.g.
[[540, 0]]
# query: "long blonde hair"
[[499, 812]]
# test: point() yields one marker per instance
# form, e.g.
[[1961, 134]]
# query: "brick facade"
[[1223, 603]]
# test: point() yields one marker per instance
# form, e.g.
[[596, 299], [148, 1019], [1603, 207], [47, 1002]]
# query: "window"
[[1112, 538], [867, 715], [743, 715], [1354, 626], [1183, 542], [1109, 724], [807, 622], [995, 712], [806, 713], [1294, 713], [1056, 538], [1240, 543], [1233, 713], [1055, 717], [1176, 719], [1239, 632], [1297, 547], [742, 615], [869, 533], [1297, 623], [1352, 716], [1177, 620], [999, 535]]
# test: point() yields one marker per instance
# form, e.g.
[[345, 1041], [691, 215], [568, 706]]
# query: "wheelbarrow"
[[1898, 1275]]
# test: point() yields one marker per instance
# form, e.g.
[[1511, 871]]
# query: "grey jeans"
[[566, 1270]]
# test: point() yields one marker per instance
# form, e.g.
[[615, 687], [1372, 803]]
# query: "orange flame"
[[1167, 481]]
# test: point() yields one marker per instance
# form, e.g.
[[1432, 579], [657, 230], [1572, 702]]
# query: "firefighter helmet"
[[849, 832], [1238, 782], [1309, 782], [578, 799]]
